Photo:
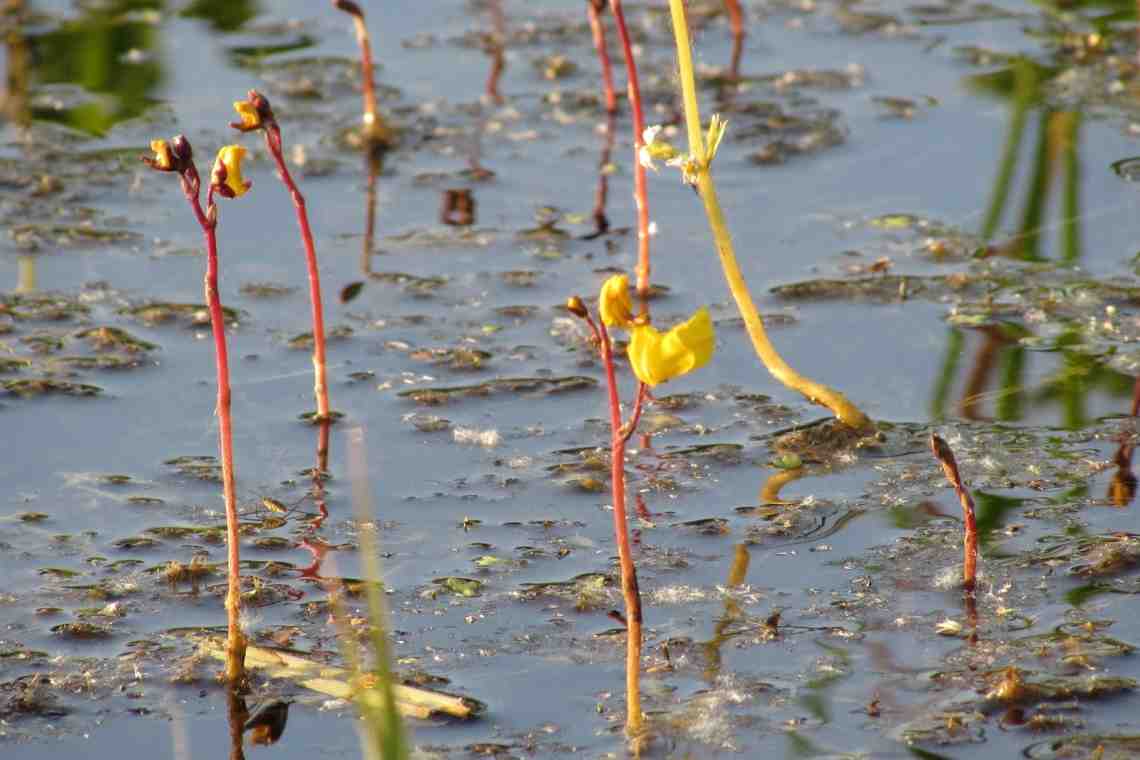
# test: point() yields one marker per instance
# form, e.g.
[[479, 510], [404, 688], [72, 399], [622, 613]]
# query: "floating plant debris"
[[513, 385]]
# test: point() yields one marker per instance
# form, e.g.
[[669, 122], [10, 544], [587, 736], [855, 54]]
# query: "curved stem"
[[320, 384], [374, 129], [629, 588], [815, 392], [640, 192]]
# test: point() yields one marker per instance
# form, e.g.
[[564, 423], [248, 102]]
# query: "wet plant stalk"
[[235, 642], [640, 191], [594, 10], [815, 392], [736, 21], [374, 128], [945, 457], [629, 588], [320, 382]]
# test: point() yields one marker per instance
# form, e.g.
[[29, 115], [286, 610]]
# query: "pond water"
[[924, 200]]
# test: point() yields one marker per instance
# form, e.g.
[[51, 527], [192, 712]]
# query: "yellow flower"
[[614, 303], [657, 357], [229, 159], [247, 112], [163, 156]]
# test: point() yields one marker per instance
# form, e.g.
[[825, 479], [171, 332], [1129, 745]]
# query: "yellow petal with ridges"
[[614, 303], [656, 357]]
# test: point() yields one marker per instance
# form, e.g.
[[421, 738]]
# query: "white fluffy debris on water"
[[677, 595], [488, 438]]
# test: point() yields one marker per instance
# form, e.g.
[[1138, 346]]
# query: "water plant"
[[695, 170], [945, 457], [177, 156], [640, 187], [256, 114], [594, 10], [655, 357], [374, 131]]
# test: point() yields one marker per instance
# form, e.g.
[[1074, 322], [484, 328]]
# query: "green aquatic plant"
[[695, 171], [655, 357], [177, 157]]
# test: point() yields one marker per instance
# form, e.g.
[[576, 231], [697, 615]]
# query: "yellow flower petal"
[[163, 156], [657, 357], [230, 157], [614, 303], [247, 112]]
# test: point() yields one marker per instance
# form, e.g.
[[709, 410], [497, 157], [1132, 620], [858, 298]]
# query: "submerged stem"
[[815, 392]]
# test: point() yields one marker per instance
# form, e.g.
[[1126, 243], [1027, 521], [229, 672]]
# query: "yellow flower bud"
[[656, 357], [229, 159], [575, 306], [247, 112], [163, 156], [614, 303]]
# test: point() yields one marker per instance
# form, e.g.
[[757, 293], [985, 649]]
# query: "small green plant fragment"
[[83, 631], [466, 587]]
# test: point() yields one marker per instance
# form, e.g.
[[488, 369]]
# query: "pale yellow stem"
[[815, 392]]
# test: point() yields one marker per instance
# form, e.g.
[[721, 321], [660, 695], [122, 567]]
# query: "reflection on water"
[[223, 15], [111, 51], [997, 383]]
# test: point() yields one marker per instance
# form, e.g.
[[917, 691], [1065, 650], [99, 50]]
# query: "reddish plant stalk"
[[640, 191], [374, 129], [495, 44], [593, 11], [208, 220], [320, 383], [736, 22], [629, 588], [945, 457]]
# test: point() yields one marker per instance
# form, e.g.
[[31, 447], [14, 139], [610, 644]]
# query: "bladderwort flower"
[[654, 356], [226, 176], [655, 149]]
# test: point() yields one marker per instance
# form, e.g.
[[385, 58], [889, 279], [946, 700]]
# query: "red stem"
[[640, 193], [235, 644], [945, 457], [629, 586], [320, 384], [593, 11], [736, 20]]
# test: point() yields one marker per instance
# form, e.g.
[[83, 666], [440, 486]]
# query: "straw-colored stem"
[[629, 589], [815, 392], [235, 643], [394, 741], [320, 383], [640, 191], [598, 29]]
